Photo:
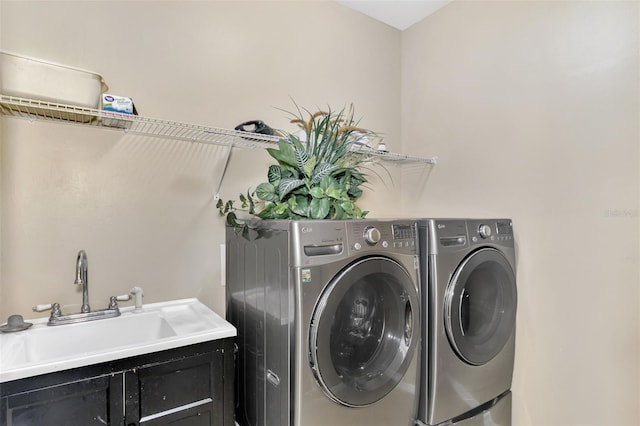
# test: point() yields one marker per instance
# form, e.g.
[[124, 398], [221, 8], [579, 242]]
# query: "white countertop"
[[45, 349]]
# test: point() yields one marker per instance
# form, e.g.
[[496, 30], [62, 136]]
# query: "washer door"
[[480, 306], [364, 331]]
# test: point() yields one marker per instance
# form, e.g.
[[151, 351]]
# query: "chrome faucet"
[[85, 314], [82, 279]]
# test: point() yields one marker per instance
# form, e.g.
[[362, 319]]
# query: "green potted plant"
[[318, 174]]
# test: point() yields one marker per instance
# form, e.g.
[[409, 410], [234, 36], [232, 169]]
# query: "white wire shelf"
[[38, 110]]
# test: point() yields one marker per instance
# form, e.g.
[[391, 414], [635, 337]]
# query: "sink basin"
[[160, 326]]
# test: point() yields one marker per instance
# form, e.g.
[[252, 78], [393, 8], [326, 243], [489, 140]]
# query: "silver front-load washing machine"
[[328, 320], [469, 287]]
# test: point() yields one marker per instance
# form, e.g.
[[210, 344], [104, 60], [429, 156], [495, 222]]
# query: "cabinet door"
[[186, 391], [87, 402]]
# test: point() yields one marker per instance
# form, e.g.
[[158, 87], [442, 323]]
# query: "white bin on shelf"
[[27, 77]]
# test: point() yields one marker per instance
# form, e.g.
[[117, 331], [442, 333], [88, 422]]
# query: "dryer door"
[[480, 306], [364, 331]]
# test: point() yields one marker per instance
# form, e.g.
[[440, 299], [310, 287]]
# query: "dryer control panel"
[[455, 235], [496, 231]]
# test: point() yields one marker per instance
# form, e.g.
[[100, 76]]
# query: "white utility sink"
[[160, 326]]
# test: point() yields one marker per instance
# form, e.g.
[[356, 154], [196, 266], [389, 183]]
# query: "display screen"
[[403, 232], [504, 228]]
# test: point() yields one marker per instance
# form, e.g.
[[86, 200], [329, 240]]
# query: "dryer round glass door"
[[480, 306], [364, 331]]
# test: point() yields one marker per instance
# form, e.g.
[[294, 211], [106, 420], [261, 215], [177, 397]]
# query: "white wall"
[[142, 208], [533, 110]]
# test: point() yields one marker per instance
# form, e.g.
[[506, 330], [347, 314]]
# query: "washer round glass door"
[[364, 331], [480, 306]]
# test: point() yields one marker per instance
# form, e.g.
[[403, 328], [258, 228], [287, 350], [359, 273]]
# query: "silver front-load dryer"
[[469, 285], [328, 320]]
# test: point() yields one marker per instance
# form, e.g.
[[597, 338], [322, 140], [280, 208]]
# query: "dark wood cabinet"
[[92, 401], [188, 386]]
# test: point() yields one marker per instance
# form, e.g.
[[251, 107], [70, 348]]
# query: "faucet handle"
[[113, 300], [42, 308], [55, 309]]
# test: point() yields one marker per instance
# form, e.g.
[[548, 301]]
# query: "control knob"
[[371, 235], [484, 231]]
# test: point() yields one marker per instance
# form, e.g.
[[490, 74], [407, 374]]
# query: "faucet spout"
[[82, 279]]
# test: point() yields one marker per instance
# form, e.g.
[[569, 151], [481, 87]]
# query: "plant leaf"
[[302, 190], [317, 192], [287, 185], [348, 207], [322, 170], [288, 171], [319, 208], [274, 174], [280, 211], [284, 153], [222, 207], [267, 212], [336, 192], [243, 200], [266, 192], [339, 213], [355, 192], [309, 166], [299, 205], [301, 158], [326, 182], [228, 206], [231, 220], [252, 204], [295, 141]]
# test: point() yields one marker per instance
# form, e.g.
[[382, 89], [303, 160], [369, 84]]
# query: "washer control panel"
[[314, 242], [396, 236]]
